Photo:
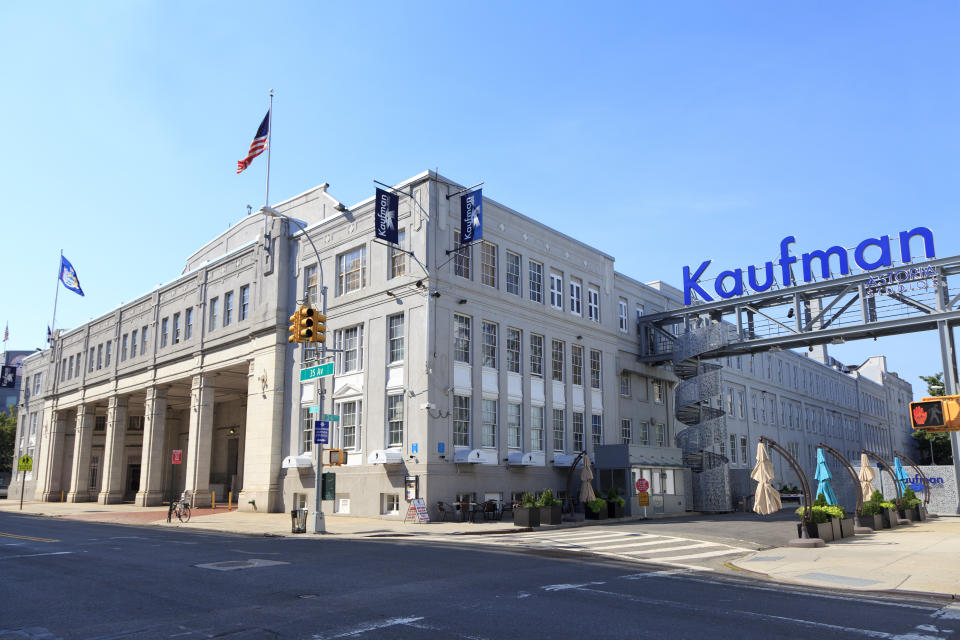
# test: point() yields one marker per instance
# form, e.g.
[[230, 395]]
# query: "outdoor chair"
[[444, 511]]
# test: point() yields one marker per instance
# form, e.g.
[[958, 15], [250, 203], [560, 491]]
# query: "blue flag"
[[387, 206], [68, 276], [471, 217]]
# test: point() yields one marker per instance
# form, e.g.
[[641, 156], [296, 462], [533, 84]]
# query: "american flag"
[[258, 145]]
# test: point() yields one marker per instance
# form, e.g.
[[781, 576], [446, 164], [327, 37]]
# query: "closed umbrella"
[[865, 476], [586, 475], [902, 478], [823, 477], [766, 499]]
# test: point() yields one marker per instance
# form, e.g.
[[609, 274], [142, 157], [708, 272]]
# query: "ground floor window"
[[391, 503]]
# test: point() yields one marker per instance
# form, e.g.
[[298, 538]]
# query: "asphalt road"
[[61, 578]]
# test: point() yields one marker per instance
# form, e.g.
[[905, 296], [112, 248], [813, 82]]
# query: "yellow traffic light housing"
[[936, 414], [338, 457], [305, 323], [319, 327], [294, 327]]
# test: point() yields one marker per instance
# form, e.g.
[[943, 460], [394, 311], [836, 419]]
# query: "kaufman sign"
[[471, 216], [729, 284], [387, 205]]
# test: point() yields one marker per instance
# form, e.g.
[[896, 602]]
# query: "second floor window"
[[123, 349], [394, 421], [513, 273], [109, 352], [351, 342], [575, 297], [536, 355], [461, 421], [133, 343], [395, 330], [310, 285], [188, 324], [214, 313], [227, 308], [536, 281], [461, 261], [556, 290], [461, 338], [593, 304], [488, 263], [490, 345], [488, 433], [244, 302], [176, 328], [556, 360], [576, 364], [578, 443], [351, 270], [595, 365], [622, 311], [398, 258], [513, 350], [164, 332], [143, 340]]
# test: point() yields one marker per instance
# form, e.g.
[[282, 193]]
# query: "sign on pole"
[[321, 432], [319, 371], [643, 499], [331, 417], [643, 485], [177, 456], [25, 463]]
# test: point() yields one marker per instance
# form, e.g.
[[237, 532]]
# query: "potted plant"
[[596, 509], [615, 504], [870, 513], [528, 513], [549, 508], [910, 506], [820, 526], [821, 504], [844, 524], [888, 511]]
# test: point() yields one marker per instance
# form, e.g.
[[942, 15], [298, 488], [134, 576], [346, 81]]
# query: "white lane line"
[[363, 627], [706, 554], [949, 612], [633, 544], [698, 545], [566, 587], [34, 555], [596, 536]]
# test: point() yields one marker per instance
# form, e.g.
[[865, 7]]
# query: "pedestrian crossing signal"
[[936, 414]]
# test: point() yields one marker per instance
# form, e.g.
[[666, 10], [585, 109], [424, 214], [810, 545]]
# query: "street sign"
[[25, 463], [643, 499], [331, 417], [642, 485], [321, 432], [313, 409], [319, 371], [177, 456]]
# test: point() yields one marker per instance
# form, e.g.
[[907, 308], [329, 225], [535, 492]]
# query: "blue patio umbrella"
[[823, 476], [902, 478]]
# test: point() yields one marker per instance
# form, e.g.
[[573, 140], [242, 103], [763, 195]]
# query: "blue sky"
[[661, 133]]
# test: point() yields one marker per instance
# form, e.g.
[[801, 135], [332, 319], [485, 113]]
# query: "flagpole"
[[266, 202], [53, 323]]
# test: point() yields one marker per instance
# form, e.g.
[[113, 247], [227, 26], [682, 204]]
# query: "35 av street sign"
[[319, 371]]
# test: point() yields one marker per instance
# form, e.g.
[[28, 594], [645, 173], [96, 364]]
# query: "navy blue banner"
[[471, 216], [385, 219]]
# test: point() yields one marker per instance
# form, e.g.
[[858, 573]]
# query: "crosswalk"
[[673, 551]]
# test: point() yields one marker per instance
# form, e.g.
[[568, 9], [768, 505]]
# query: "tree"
[[936, 446], [8, 432]]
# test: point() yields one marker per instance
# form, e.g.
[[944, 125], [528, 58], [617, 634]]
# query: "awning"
[[297, 462], [475, 456], [385, 456], [566, 459], [531, 459]]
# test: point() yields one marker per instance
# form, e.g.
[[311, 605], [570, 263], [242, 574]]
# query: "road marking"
[[627, 543], [363, 627], [34, 555], [949, 612], [695, 545], [706, 554], [15, 535], [565, 587]]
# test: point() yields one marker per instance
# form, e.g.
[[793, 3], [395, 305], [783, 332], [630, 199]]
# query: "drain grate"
[[233, 565]]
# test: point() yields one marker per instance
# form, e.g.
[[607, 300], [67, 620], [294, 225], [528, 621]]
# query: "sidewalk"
[[923, 558]]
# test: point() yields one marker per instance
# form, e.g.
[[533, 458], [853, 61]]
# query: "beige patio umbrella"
[[766, 499], [865, 476], [586, 475]]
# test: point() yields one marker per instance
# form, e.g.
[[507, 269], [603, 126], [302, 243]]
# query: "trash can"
[[298, 521]]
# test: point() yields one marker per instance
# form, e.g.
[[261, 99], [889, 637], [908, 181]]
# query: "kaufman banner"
[[471, 216], [386, 223]]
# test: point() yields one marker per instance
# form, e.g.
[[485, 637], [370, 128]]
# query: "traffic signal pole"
[[949, 355]]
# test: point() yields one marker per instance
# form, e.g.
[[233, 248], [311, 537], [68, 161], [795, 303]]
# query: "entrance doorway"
[[132, 484]]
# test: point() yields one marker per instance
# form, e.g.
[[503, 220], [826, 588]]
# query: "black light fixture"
[[462, 301], [790, 313]]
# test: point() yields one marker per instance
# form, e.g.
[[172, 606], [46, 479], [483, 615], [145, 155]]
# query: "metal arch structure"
[[849, 468], [889, 470]]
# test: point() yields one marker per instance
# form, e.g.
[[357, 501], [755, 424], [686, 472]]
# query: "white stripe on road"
[[697, 545], [706, 554], [34, 555], [363, 627]]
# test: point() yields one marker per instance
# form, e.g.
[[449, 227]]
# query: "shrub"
[[547, 499], [821, 500], [597, 505], [835, 511], [876, 497], [528, 500], [870, 509], [614, 498], [818, 515], [887, 505], [910, 499]]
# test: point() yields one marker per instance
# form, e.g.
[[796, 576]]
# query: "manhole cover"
[[233, 565]]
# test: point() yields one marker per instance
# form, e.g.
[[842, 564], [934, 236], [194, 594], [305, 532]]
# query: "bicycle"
[[181, 508]]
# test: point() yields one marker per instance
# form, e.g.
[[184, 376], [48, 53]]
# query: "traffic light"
[[294, 327], [936, 414], [305, 323], [337, 457], [319, 327]]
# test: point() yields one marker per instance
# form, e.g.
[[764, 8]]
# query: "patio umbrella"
[[902, 478], [865, 476], [586, 475], [823, 476], [766, 499]]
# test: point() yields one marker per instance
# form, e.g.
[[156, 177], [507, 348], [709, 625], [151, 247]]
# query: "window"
[[733, 448], [123, 349], [658, 391], [514, 426], [513, 274], [94, 466], [70, 368], [644, 434], [351, 342], [395, 336], [743, 450], [188, 324], [143, 340], [488, 263], [100, 423], [661, 435], [244, 305], [489, 344], [351, 270], [730, 400], [559, 427], [596, 428], [576, 293], [578, 431], [176, 328], [214, 312], [310, 287], [625, 384], [576, 362], [227, 308], [391, 503], [639, 316], [76, 372], [135, 423], [461, 338], [398, 255], [164, 332], [461, 261], [536, 428], [90, 359], [622, 312], [99, 358], [556, 290], [306, 430], [753, 397], [741, 401], [514, 340], [556, 361], [488, 429], [63, 369], [395, 420], [593, 304], [626, 430], [536, 281], [594, 369], [461, 421], [536, 355], [350, 424], [723, 448]]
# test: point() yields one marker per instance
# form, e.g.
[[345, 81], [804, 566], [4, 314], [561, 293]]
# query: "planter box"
[[614, 510], [824, 531], [921, 513], [588, 512], [835, 528], [550, 515], [526, 516], [890, 517], [911, 514], [875, 522], [846, 527]]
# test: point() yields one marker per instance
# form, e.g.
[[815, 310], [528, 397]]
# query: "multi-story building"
[[467, 372]]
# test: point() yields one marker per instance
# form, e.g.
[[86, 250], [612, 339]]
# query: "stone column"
[[154, 438], [111, 491], [263, 434], [200, 441], [50, 468], [82, 445]]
